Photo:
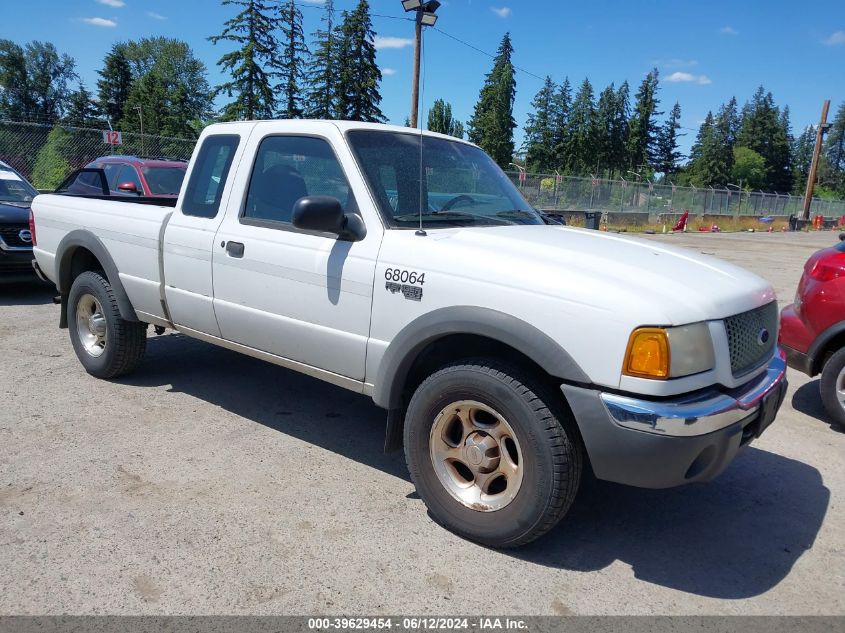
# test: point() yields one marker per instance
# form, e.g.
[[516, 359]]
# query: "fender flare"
[[815, 354], [504, 328], [64, 256]]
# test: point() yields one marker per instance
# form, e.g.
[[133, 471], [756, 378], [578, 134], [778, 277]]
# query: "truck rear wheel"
[[106, 344], [491, 454], [832, 387]]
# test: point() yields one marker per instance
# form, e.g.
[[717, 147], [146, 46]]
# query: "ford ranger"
[[509, 354]]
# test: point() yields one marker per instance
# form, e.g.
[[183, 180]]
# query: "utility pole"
[[141, 116], [423, 16], [415, 86], [814, 166]]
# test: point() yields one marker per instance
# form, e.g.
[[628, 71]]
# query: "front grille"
[[751, 338], [10, 234]]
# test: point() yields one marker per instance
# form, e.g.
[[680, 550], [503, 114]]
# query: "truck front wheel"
[[494, 457], [106, 344]]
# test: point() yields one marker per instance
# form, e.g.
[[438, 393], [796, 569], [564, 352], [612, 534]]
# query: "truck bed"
[[130, 229]]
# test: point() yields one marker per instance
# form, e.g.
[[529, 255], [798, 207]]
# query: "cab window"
[[288, 168], [209, 175]]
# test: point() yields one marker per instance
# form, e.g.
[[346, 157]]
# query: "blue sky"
[[706, 51]]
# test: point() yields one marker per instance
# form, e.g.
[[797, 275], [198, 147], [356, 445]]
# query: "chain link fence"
[[550, 192], [46, 154]]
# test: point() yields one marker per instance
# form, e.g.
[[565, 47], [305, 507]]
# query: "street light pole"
[[415, 86], [423, 16]]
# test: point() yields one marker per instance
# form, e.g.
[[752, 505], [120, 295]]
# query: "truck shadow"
[[808, 401], [733, 538], [26, 293]]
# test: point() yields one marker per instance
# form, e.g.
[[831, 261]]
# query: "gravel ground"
[[209, 482]]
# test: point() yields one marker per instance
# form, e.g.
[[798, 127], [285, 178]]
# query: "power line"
[[483, 52]]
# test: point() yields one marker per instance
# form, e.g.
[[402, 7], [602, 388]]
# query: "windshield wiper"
[[451, 216]]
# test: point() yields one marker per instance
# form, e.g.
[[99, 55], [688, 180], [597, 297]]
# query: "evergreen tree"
[[802, 156], [709, 165], [604, 128], [292, 61], [492, 123], [643, 129], [440, 119], [582, 131], [322, 80], [834, 152], [114, 85], [765, 130], [619, 131], [253, 64], [667, 143], [560, 125], [458, 131], [81, 109], [359, 76], [540, 130]]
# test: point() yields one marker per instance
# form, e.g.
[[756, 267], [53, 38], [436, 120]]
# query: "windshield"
[[14, 189], [164, 181], [462, 185]]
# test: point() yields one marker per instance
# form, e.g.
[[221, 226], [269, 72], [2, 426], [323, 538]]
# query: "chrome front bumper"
[[700, 413]]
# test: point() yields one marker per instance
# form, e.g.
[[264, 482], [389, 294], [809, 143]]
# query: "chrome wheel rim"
[[91, 325], [476, 455]]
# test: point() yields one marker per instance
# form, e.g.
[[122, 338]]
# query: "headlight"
[[663, 353]]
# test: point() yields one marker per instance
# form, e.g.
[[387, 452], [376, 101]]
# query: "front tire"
[[105, 343], [495, 458], [832, 387]]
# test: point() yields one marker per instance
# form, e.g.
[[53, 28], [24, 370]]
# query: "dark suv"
[[133, 176], [16, 196]]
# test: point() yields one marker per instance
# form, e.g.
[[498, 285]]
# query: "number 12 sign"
[[112, 137]]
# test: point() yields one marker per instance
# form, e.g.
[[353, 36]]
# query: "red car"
[[812, 330], [130, 175]]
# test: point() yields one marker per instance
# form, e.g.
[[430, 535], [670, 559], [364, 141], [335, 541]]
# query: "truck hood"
[[11, 214], [647, 280]]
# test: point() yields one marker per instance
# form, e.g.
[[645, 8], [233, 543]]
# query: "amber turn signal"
[[648, 354]]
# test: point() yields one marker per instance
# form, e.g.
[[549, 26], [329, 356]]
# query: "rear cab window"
[[209, 174]]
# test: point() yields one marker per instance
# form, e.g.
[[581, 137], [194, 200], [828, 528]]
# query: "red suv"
[[130, 175], [812, 330]]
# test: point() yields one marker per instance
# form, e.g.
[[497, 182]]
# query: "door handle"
[[235, 249]]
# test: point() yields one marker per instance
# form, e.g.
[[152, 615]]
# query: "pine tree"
[[81, 109], [834, 152], [114, 85], [253, 65], [667, 143], [359, 76], [540, 130], [582, 131], [709, 165], [802, 156], [322, 80], [440, 119], [619, 132], [605, 117], [492, 123], [292, 61], [560, 124], [642, 136], [765, 130]]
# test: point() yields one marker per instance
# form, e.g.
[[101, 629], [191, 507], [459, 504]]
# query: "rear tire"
[[494, 456], [832, 385], [105, 343]]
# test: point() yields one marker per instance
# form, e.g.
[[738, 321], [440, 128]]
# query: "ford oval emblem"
[[763, 337], [26, 236]]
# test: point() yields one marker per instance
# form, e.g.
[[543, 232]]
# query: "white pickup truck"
[[509, 353]]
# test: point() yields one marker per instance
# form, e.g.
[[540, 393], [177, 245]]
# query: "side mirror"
[[127, 187], [325, 215]]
